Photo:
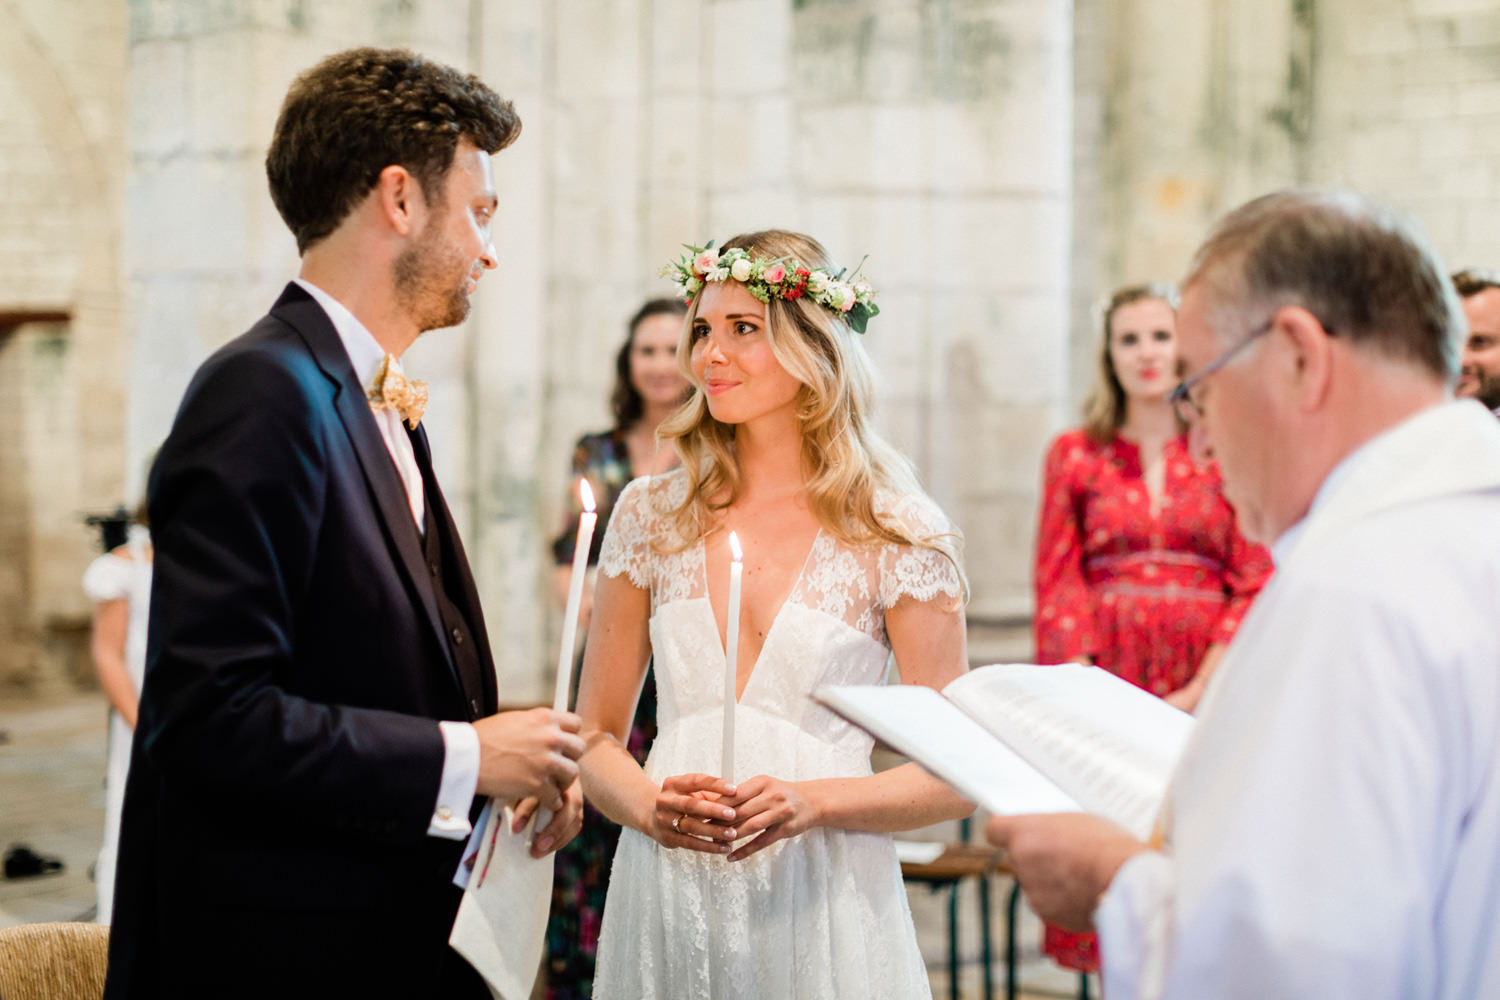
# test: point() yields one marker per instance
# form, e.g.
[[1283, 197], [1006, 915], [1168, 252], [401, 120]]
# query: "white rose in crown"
[[817, 282], [740, 269], [841, 296]]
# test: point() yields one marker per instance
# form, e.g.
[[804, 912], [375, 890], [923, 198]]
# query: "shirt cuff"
[[1134, 921], [450, 819]]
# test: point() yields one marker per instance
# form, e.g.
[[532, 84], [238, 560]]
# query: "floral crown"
[[769, 278]]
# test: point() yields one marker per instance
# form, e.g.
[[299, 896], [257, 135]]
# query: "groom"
[[319, 706]]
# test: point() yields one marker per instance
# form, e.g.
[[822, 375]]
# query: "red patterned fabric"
[[1144, 595]]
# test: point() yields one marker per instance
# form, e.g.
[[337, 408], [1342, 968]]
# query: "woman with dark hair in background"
[[1139, 566], [648, 387]]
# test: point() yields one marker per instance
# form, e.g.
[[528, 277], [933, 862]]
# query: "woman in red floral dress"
[[1139, 566]]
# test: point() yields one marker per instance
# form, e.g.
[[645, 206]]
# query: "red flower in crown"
[[799, 284]]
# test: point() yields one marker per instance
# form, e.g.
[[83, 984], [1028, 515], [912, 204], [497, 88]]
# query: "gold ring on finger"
[[677, 821]]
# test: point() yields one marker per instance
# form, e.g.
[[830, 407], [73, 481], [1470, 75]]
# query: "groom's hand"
[[563, 826], [529, 753]]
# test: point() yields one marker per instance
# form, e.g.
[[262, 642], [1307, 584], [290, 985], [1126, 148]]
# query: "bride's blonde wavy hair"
[[844, 461]]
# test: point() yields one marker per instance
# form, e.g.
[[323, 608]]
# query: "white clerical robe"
[[1333, 830]]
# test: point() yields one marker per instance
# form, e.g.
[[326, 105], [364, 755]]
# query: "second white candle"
[[731, 657]]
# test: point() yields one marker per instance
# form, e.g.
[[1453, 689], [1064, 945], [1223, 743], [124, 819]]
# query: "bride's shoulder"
[[656, 495], [914, 511], [647, 507]]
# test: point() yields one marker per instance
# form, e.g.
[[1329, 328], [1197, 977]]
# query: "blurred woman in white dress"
[[119, 584]]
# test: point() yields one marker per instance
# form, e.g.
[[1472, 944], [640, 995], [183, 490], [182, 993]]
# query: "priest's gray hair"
[[1368, 273]]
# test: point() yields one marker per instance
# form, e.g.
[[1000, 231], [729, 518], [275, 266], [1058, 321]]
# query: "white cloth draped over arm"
[[1137, 910]]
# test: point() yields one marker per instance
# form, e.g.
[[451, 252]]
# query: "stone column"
[[509, 358], [1202, 106], [937, 138]]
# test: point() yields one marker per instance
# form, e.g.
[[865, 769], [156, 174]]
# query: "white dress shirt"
[[450, 816], [1334, 826]]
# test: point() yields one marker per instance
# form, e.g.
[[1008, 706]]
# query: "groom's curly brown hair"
[[358, 112]]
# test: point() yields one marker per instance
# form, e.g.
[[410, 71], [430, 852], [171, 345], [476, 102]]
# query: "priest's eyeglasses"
[[1189, 410]]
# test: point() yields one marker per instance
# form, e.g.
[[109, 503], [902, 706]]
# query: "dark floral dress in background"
[[581, 867]]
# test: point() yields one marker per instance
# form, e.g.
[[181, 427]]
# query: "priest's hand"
[[769, 810], [1064, 862], [529, 753], [689, 814]]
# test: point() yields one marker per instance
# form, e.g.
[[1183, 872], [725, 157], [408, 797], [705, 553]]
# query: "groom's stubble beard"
[[431, 281]]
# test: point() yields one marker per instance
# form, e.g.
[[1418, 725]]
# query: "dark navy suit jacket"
[[287, 762]]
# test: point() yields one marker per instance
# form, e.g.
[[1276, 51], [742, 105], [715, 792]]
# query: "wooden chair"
[[959, 861], [53, 961], [1012, 914]]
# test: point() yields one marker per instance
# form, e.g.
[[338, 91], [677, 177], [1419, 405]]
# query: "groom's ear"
[[399, 199]]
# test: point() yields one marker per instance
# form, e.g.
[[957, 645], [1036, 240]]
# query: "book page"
[[1104, 741], [922, 724]]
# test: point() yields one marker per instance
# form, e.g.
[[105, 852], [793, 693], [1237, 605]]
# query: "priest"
[[1334, 825]]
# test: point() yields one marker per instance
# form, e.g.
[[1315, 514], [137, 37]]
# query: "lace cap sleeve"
[[627, 539], [914, 570], [107, 579]]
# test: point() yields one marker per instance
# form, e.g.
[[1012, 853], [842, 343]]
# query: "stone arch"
[[60, 323]]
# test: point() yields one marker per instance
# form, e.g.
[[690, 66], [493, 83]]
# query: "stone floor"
[[52, 798]]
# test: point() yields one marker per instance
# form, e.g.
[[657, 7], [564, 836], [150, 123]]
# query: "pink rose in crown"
[[706, 261], [773, 274]]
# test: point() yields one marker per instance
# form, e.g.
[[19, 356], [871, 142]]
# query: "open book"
[[1019, 738]]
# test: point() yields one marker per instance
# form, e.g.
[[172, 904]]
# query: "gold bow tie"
[[394, 391]]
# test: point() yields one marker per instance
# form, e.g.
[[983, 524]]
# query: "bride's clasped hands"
[[691, 812], [703, 813]]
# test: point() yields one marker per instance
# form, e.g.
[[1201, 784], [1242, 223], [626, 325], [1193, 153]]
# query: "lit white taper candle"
[[731, 657], [575, 595]]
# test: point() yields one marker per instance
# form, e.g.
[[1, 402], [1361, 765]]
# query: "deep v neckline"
[[720, 638]]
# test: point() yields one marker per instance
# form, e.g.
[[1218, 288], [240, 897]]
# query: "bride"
[[780, 879]]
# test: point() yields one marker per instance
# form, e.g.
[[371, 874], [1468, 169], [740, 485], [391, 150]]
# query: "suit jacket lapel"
[[298, 309]]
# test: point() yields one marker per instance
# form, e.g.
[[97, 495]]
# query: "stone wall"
[[1002, 163], [1202, 106], [933, 138], [62, 337], [1406, 99]]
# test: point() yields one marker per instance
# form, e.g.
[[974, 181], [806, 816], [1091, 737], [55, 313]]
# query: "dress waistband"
[[1162, 558], [1170, 591]]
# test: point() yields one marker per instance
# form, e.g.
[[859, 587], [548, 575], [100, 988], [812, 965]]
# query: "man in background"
[[1479, 374]]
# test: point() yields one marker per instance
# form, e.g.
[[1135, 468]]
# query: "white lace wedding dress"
[[822, 915]]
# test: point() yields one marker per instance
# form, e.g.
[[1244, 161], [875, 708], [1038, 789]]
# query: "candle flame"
[[587, 495], [734, 547]]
